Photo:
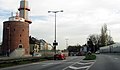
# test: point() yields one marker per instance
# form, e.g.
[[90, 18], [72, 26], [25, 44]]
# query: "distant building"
[[45, 45], [39, 46], [34, 48]]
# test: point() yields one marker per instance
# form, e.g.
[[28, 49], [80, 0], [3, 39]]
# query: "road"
[[103, 62], [71, 63], [107, 62]]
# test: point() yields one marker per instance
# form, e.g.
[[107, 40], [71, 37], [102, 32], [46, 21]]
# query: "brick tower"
[[16, 31]]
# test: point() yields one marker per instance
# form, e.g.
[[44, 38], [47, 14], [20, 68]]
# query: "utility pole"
[[55, 43]]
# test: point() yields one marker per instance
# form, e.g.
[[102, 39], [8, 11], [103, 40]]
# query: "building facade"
[[15, 35]]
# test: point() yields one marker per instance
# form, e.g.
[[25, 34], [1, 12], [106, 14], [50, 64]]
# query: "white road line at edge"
[[88, 67], [72, 67], [85, 63], [47, 64], [69, 65], [91, 65]]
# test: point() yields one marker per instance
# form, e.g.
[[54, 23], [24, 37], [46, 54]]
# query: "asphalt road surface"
[[107, 62], [71, 63]]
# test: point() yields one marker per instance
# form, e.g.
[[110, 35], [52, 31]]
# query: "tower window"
[[20, 35], [20, 41], [20, 46], [14, 29]]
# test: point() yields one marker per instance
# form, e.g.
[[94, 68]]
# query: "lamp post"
[[109, 36], [55, 42], [66, 43], [109, 40]]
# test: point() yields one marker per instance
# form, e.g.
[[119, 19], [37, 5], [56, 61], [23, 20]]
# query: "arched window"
[[20, 46]]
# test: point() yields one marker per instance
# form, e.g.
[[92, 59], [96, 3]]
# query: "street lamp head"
[[49, 11], [61, 11], [55, 11]]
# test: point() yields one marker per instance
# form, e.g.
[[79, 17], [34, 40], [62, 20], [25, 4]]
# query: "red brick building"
[[15, 35], [16, 32]]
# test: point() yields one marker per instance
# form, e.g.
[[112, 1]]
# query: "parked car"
[[59, 56], [97, 52], [37, 55]]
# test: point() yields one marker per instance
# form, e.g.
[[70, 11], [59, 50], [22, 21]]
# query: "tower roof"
[[24, 10]]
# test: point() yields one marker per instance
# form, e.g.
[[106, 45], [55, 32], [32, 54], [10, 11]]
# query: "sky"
[[79, 19]]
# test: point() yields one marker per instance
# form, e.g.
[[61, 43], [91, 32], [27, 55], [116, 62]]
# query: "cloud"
[[44, 18], [79, 19]]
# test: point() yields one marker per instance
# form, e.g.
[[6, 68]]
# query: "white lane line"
[[85, 63], [63, 61], [68, 66], [91, 65], [72, 67], [36, 63], [47, 64]]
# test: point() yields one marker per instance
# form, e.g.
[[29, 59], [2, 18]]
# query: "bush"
[[90, 57]]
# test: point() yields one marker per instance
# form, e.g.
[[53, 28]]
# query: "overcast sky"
[[79, 19]]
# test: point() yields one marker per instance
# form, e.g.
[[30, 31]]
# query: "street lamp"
[[109, 40], [55, 42], [109, 37], [66, 43]]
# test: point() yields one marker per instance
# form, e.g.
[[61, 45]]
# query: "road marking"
[[47, 64], [72, 67], [35, 63], [68, 66], [91, 65], [85, 63]]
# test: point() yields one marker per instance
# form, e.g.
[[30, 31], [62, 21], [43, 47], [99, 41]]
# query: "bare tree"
[[104, 35], [94, 38]]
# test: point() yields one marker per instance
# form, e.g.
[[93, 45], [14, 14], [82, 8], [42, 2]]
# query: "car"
[[97, 52], [59, 56], [37, 55]]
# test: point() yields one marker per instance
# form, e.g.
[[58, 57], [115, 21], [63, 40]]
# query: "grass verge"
[[20, 61]]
